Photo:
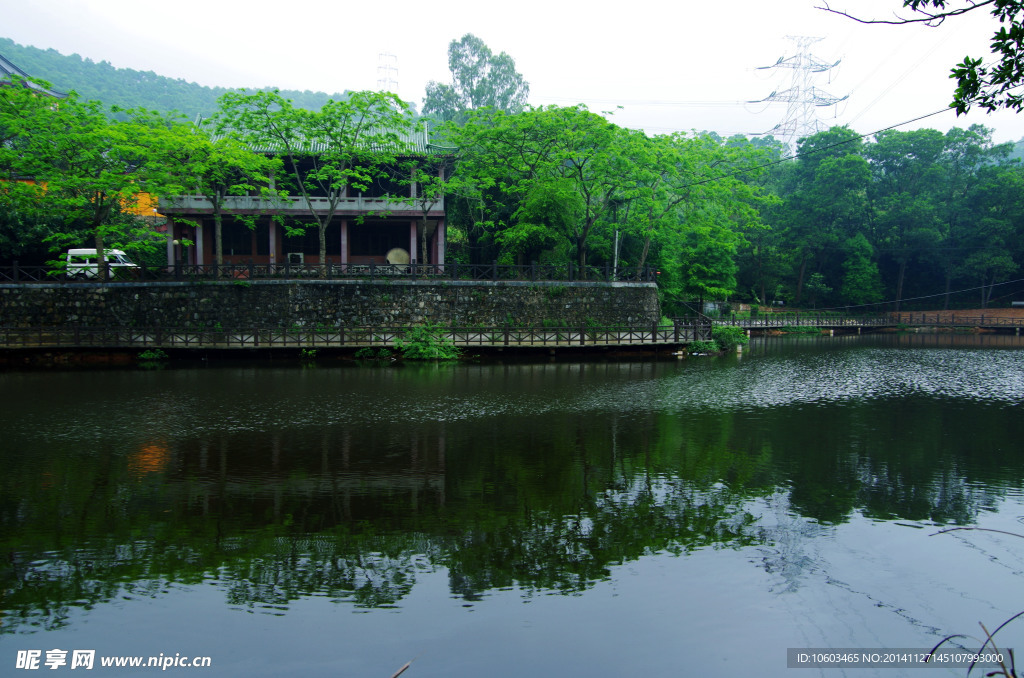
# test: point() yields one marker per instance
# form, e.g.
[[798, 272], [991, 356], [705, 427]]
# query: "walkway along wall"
[[328, 303]]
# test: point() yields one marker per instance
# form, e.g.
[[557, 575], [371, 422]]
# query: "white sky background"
[[673, 65]]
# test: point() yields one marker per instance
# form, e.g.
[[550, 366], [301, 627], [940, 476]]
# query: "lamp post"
[[177, 258]]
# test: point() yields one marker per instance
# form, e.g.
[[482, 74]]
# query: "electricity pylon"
[[802, 97], [387, 73]]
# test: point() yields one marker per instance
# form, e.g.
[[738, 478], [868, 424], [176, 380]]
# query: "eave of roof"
[[9, 71], [408, 143]]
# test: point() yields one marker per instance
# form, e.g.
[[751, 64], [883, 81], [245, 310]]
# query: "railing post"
[[506, 334], [412, 268], [572, 267], [533, 271], [583, 334], [455, 270], [494, 270], [251, 271], [607, 278], [177, 269], [216, 269], [675, 330], [373, 269], [14, 271]]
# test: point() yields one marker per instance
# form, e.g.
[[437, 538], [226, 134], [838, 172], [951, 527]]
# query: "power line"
[[798, 154], [925, 296]]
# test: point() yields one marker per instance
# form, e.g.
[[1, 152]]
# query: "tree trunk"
[[218, 237], [643, 257], [424, 257], [949, 281], [322, 233], [899, 283], [800, 281], [102, 273], [760, 275]]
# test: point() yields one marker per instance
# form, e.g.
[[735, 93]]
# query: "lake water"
[[690, 517]]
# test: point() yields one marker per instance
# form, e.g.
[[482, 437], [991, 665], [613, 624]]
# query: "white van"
[[82, 263]]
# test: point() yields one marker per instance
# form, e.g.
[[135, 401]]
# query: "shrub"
[[370, 353], [426, 343], [153, 354], [701, 346], [800, 329], [729, 337]]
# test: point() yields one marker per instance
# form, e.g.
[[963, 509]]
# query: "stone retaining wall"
[[328, 303]]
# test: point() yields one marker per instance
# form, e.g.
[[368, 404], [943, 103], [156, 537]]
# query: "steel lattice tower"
[[802, 97], [387, 73]]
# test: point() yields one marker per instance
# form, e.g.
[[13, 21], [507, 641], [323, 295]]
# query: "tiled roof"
[[8, 69], [408, 143]]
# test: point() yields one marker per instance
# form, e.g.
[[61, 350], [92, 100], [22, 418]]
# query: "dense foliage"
[[853, 222]]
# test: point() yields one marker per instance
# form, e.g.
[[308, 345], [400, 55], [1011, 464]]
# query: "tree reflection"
[[544, 499]]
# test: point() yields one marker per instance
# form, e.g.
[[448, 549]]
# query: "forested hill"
[[126, 87]]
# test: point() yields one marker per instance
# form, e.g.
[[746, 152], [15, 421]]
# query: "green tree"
[[992, 243], [428, 182], [217, 167], [479, 79], [86, 166], [862, 283], [514, 164], [713, 212], [826, 202], [905, 196], [346, 144]]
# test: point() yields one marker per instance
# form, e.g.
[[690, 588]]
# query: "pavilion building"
[[391, 215]]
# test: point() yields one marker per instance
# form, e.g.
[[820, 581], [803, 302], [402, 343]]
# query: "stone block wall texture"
[[328, 303]]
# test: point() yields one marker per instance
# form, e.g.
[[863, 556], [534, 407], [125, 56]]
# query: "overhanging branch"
[[927, 18]]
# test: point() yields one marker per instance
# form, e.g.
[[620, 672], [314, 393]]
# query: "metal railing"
[[492, 272], [918, 319], [345, 337]]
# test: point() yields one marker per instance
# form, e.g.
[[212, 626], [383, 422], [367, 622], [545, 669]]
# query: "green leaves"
[[479, 79], [90, 168], [347, 143]]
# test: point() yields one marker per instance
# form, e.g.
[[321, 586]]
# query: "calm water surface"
[[693, 517]]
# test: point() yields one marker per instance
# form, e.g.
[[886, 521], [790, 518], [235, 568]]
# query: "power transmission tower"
[[802, 97], [387, 72]]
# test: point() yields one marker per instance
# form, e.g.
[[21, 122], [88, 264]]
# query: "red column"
[[412, 242], [439, 237], [344, 244], [273, 241]]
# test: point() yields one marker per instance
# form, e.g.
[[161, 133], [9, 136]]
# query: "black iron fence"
[[916, 319], [492, 272]]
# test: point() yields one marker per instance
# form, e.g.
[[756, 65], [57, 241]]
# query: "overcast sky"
[[670, 65]]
